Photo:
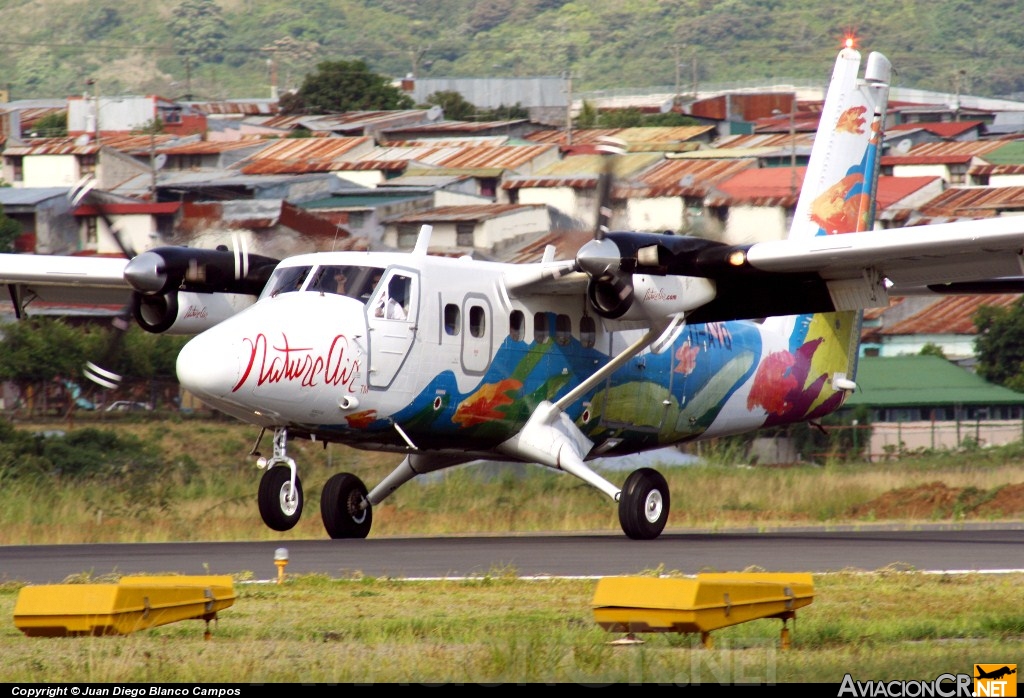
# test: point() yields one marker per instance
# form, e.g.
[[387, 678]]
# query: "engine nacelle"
[[648, 298], [186, 312]]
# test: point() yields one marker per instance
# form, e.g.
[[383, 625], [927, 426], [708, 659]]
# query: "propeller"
[[101, 372]]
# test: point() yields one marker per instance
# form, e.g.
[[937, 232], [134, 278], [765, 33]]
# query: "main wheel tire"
[[341, 507], [279, 507], [644, 504]]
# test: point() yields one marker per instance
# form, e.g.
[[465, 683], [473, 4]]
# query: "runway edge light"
[[134, 603], [699, 605]]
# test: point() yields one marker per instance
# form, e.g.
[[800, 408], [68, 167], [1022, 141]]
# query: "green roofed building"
[[927, 402], [912, 388]]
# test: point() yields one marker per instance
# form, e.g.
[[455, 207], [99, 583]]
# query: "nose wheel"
[[280, 503]]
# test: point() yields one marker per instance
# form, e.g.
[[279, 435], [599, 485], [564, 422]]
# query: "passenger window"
[[477, 321], [451, 319], [588, 331], [563, 329], [517, 325], [541, 333]]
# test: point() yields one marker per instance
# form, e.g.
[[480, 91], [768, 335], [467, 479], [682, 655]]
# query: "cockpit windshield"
[[349, 280]]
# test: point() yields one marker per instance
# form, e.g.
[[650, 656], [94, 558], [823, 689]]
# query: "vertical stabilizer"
[[841, 182], [838, 196]]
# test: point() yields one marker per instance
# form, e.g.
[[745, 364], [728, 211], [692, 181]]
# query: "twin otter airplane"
[[642, 341]]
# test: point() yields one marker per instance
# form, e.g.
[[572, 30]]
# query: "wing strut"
[[551, 438]]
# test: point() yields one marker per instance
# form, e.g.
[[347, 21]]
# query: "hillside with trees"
[[233, 49]]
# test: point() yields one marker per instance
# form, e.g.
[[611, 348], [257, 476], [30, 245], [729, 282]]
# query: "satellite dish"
[[435, 113], [667, 105], [904, 146], [686, 180], [82, 140], [159, 161]]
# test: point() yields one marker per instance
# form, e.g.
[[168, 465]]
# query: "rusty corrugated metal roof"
[[135, 145], [583, 171], [776, 140], [235, 108], [637, 139], [502, 156], [980, 170], [949, 315], [446, 127], [302, 155], [686, 177], [978, 202], [213, 147], [945, 152], [464, 213]]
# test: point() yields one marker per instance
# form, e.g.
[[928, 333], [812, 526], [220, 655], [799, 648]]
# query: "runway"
[[957, 549]]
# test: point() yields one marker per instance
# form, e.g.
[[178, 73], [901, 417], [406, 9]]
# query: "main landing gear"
[[346, 506], [644, 504]]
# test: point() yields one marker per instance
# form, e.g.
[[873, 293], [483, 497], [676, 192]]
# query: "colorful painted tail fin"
[[838, 196], [841, 182]]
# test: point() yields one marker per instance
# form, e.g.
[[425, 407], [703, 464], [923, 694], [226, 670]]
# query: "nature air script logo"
[[995, 680], [988, 680]]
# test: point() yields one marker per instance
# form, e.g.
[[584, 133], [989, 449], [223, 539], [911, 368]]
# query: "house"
[[44, 214], [756, 204], [485, 228], [926, 402], [570, 187], [672, 194], [100, 117], [908, 324], [949, 160], [112, 162], [972, 202], [199, 155], [363, 210], [292, 156]]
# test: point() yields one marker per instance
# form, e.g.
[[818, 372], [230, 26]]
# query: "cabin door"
[[392, 317]]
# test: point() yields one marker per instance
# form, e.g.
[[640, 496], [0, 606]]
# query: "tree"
[[37, 351], [200, 30], [53, 125], [342, 86], [10, 229], [455, 106], [1000, 344], [932, 349]]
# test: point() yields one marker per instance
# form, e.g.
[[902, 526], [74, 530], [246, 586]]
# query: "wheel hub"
[[653, 506]]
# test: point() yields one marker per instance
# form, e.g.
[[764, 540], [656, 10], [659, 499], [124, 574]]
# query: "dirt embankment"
[[937, 501]]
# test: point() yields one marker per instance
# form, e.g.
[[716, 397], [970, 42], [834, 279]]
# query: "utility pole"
[[95, 84], [792, 147], [568, 107]]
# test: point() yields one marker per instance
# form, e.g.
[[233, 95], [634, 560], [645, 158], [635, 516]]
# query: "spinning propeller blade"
[[101, 373]]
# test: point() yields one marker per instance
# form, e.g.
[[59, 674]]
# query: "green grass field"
[[198, 484]]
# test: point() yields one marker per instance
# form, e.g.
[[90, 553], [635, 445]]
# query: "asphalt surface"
[[936, 549]]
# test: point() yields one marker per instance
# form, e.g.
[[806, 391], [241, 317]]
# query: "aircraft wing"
[[61, 279], [909, 259]]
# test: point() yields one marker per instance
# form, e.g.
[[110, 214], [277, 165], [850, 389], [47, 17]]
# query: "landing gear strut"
[[280, 495]]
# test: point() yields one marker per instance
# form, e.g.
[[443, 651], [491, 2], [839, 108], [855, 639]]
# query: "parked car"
[[128, 406]]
